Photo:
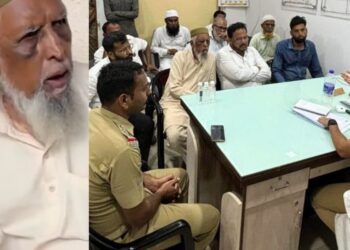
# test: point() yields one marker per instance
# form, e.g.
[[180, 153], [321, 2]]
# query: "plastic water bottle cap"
[[331, 71]]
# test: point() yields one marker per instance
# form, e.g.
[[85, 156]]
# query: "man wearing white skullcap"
[[266, 40], [169, 39]]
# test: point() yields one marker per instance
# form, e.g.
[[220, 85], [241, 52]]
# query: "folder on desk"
[[343, 123], [312, 107]]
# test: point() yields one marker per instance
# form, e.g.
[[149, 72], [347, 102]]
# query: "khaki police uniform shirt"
[[115, 177]]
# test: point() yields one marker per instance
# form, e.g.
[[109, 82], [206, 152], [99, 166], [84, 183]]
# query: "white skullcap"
[[171, 13], [267, 17]]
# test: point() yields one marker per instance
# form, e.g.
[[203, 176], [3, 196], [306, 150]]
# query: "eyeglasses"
[[221, 28]]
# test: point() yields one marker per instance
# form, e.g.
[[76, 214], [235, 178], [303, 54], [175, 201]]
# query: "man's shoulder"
[[310, 43], [101, 126], [184, 29], [283, 44], [257, 35], [97, 67], [159, 30], [224, 50]]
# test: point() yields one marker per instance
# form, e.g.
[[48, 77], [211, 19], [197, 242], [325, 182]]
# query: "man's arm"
[[277, 65], [231, 71], [126, 181], [175, 80], [346, 76], [341, 143], [147, 57], [138, 216], [121, 15], [264, 74], [315, 67], [156, 44]]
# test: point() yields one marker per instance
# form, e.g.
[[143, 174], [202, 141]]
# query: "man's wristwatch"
[[331, 122]]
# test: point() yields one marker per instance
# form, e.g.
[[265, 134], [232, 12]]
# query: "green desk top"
[[262, 132]]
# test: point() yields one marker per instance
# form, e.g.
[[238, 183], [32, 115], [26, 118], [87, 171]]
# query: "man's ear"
[[123, 101], [111, 55]]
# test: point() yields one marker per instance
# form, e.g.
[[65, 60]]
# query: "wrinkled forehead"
[[17, 16]]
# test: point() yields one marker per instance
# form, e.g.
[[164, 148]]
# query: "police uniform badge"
[[133, 142]]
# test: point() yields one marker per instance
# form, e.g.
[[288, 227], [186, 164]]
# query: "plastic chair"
[[158, 85], [180, 227]]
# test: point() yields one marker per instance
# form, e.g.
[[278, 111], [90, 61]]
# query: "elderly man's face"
[[268, 26], [201, 44], [35, 46]]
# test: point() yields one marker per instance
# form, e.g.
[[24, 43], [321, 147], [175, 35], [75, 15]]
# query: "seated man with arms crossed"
[[238, 64], [126, 204]]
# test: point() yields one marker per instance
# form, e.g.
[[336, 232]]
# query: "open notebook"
[[343, 123]]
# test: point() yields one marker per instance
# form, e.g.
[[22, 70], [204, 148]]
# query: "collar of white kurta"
[[8, 129]]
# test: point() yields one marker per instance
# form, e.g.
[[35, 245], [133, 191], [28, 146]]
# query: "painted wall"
[[331, 35], [78, 17], [193, 14]]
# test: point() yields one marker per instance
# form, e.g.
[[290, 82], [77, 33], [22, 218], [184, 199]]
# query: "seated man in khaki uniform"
[[188, 68], [126, 204]]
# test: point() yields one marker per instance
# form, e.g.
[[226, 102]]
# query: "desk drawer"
[[275, 188]]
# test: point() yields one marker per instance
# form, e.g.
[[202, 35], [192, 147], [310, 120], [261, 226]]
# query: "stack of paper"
[[317, 111]]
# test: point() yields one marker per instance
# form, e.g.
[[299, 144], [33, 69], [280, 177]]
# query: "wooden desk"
[[269, 155]]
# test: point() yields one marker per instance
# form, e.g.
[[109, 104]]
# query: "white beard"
[[200, 56], [50, 119]]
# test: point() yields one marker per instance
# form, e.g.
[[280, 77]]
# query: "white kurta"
[[44, 191], [185, 74], [236, 71], [161, 42]]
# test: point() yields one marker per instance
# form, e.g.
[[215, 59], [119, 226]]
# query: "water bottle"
[[212, 90], [200, 91], [206, 92], [328, 87]]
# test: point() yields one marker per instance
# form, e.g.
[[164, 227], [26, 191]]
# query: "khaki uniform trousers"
[[329, 201], [203, 218]]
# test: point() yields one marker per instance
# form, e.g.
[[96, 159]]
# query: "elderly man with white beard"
[[189, 67], [43, 131]]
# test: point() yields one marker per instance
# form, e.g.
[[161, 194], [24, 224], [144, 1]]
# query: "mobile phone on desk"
[[217, 133]]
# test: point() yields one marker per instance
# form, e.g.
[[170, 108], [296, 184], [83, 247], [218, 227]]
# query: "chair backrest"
[[159, 81]]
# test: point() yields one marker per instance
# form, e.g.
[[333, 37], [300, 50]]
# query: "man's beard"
[[217, 38], [173, 31], [299, 40], [201, 57], [50, 118]]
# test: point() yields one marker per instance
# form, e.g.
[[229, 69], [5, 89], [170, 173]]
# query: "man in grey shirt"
[[124, 12]]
